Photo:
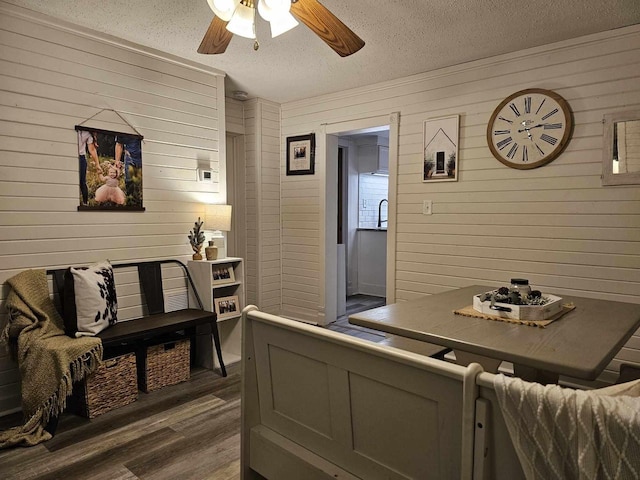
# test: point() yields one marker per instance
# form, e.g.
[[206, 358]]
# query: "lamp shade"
[[218, 217]]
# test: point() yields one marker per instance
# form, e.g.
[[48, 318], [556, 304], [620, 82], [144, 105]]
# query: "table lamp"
[[217, 218]]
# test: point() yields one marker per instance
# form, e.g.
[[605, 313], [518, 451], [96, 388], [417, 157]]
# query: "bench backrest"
[[319, 405], [141, 279]]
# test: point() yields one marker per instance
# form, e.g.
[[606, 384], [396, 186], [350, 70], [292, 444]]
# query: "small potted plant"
[[428, 168], [196, 239], [451, 165]]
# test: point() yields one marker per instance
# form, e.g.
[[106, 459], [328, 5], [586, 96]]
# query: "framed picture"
[[440, 148], [227, 307], [110, 169], [301, 155], [222, 273]]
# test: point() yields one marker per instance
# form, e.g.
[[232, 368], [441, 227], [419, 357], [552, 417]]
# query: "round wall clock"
[[529, 128]]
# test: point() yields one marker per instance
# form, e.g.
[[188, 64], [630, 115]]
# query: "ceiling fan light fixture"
[[270, 9], [241, 22], [282, 24], [283, 16], [223, 8]]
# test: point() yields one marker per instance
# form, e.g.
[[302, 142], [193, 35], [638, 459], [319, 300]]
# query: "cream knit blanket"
[[562, 433], [48, 360]]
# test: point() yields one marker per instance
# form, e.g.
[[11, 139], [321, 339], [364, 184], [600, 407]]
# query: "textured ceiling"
[[403, 37]]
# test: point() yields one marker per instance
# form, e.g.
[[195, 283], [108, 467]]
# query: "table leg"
[[530, 374]]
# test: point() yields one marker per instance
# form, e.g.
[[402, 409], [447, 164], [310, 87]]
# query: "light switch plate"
[[426, 207]]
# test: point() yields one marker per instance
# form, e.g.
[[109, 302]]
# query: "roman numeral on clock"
[[501, 132], [513, 107], [512, 152], [549, 139], [505, 120], [527, 104], [539, 149], [525, 154], [503, 143], [551, 126], [540, 106], [552, 112]]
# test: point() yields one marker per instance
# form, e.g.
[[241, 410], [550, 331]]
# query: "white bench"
[[317, 404]]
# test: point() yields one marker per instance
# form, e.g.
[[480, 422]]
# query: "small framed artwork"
[[227, 307], [222, 274], [301, 155], [440, 147]]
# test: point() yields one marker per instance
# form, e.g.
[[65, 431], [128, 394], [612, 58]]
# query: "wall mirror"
[[621, 149]]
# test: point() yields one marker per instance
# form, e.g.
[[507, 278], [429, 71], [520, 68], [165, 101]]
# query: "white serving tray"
[[520, 312]]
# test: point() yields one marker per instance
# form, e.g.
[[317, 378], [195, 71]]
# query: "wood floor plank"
[[80, 444], [230, 471], [112, 472], [209, 459], [72, 428], [21, 456], [95, 463], [212, 432]]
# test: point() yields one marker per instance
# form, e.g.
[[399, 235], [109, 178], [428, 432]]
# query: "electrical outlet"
[[426, 207]]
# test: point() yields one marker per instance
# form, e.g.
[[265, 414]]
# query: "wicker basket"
[[164, 364], [112, 385]]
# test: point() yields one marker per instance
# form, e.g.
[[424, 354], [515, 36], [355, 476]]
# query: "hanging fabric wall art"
[[110, 168]]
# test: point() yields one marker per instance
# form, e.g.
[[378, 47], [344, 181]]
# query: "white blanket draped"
[[562, 433]]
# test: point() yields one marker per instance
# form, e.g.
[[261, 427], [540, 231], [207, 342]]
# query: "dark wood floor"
[[355, 304], [186, 431]]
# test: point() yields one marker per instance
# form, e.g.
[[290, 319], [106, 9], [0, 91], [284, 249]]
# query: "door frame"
[[326, 148]]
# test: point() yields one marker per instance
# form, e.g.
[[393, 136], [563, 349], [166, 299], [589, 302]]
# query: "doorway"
[[363, 192], [356, 220]]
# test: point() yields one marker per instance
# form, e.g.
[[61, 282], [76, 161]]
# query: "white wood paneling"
[[556, 225], [234, 116], [252, 187], [263, 274], [54, 76]]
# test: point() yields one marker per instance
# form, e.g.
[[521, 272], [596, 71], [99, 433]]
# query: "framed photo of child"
[[227, 307], [110, 170]]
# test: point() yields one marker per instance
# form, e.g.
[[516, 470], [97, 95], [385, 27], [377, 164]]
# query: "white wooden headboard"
[[322, 405]]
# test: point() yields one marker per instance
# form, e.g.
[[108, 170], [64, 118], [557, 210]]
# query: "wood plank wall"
[[262, 155], [53, 76], [234, 116], [555, 225]]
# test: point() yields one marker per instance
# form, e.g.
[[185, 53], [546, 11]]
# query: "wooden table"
[[580, 344]]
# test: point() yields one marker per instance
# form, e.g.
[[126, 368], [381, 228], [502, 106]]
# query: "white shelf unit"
[[229, 327]]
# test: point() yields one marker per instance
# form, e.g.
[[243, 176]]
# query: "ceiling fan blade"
[[327, 26], [216, 39]]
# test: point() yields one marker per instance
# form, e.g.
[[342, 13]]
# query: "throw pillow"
[[90, 303]]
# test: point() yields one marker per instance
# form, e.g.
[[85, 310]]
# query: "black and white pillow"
[[90, 303]]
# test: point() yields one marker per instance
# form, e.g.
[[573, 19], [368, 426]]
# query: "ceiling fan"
[[238, 16]]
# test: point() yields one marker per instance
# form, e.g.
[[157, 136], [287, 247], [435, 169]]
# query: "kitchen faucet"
[[380, 212]]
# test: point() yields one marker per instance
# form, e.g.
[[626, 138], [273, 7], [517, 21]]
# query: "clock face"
[[529, 128]]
